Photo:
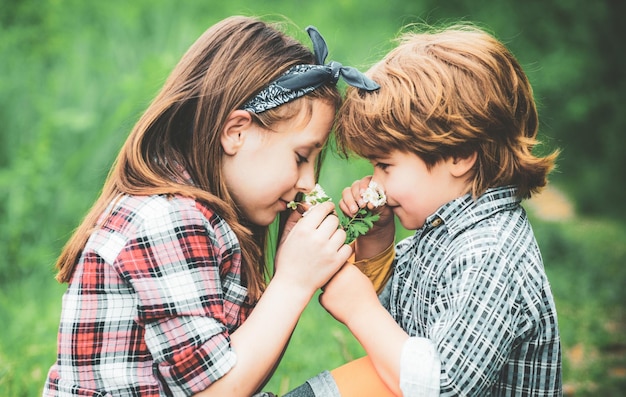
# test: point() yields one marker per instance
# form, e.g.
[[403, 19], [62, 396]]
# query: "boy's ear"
[[234, 131], [460, 166]]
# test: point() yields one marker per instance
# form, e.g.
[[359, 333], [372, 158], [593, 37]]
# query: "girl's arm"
[[307, 257]]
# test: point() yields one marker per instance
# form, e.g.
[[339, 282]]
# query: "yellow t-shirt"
[[378, 268]]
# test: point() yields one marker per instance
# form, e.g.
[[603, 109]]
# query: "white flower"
[[316, 196], [313, 198], [374, 194], [355, 226]]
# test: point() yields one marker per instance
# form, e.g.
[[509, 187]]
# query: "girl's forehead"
[[314, 121]]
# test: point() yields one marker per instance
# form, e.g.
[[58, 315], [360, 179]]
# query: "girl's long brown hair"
[[178, 136]]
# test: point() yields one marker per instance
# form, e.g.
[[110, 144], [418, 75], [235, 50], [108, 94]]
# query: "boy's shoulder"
[[488, 212], [466, 217], [493, 224]]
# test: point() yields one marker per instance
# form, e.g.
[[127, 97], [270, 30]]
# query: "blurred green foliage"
[[77, 74], [585, 263]]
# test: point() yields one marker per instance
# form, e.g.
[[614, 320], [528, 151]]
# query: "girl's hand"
[[349, 294], [312, 250], [292, 219]]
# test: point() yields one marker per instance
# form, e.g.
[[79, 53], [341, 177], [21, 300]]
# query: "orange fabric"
[[359, 378]]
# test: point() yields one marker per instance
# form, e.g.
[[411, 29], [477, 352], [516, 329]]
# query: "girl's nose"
[[306, 180]]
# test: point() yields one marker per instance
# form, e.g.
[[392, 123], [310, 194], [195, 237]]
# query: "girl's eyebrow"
[[313, 144]]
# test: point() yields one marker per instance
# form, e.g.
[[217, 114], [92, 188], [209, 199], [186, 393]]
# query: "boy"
[[468, 309]]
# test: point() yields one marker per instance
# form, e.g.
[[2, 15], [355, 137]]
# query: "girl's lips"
[[283, 204]]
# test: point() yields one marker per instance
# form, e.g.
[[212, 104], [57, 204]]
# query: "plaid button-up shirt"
[[470, 287], [151, 304]]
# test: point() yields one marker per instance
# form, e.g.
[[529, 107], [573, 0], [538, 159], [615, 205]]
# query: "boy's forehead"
[[380, 156]]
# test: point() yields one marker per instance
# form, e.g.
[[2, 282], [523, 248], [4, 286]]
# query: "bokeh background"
[[75, 75]]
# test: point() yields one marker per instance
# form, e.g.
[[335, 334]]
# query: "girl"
[[167, 291]]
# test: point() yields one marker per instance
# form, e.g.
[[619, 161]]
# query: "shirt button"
[[436, 222]]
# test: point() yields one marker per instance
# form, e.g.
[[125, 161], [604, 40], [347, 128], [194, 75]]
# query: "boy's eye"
[[382, 166], [301, 159]]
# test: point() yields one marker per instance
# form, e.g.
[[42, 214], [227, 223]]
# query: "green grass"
[[318, 343]]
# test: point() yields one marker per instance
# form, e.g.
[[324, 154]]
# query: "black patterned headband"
[[299, 80]]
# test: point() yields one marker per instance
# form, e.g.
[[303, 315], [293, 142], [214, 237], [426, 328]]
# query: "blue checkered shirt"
[[470, 285]]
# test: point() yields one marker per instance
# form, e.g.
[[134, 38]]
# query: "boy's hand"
[[382, 234], [348, 295], [352, 201]]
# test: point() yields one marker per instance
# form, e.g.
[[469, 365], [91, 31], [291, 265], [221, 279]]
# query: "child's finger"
[[358, 188], [302, 208], [292, 219], [315, 215], [348, 203], [363, 183]]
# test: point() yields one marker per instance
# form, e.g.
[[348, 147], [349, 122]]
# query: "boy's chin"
[[411, 224]]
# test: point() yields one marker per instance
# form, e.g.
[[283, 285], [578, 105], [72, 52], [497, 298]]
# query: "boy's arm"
[[350, 298], [374, 252], [378, 239]]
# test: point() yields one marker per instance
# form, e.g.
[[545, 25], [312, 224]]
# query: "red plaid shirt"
[[151, 304]]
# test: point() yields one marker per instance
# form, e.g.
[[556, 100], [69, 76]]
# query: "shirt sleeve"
[[420, 368], [174, 269]]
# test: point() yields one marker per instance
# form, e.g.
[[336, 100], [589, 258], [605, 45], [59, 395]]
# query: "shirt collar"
[[464, 211]]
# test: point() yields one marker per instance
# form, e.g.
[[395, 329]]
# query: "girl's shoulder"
[[158, 213], [156, 219]]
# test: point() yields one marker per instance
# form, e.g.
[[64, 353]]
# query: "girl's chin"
[[264, 219], [263, 222], [268, 218]]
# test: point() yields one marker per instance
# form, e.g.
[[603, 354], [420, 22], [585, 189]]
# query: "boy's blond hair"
[[448, 93]]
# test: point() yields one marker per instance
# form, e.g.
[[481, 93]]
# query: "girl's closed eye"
[[301, 159]]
